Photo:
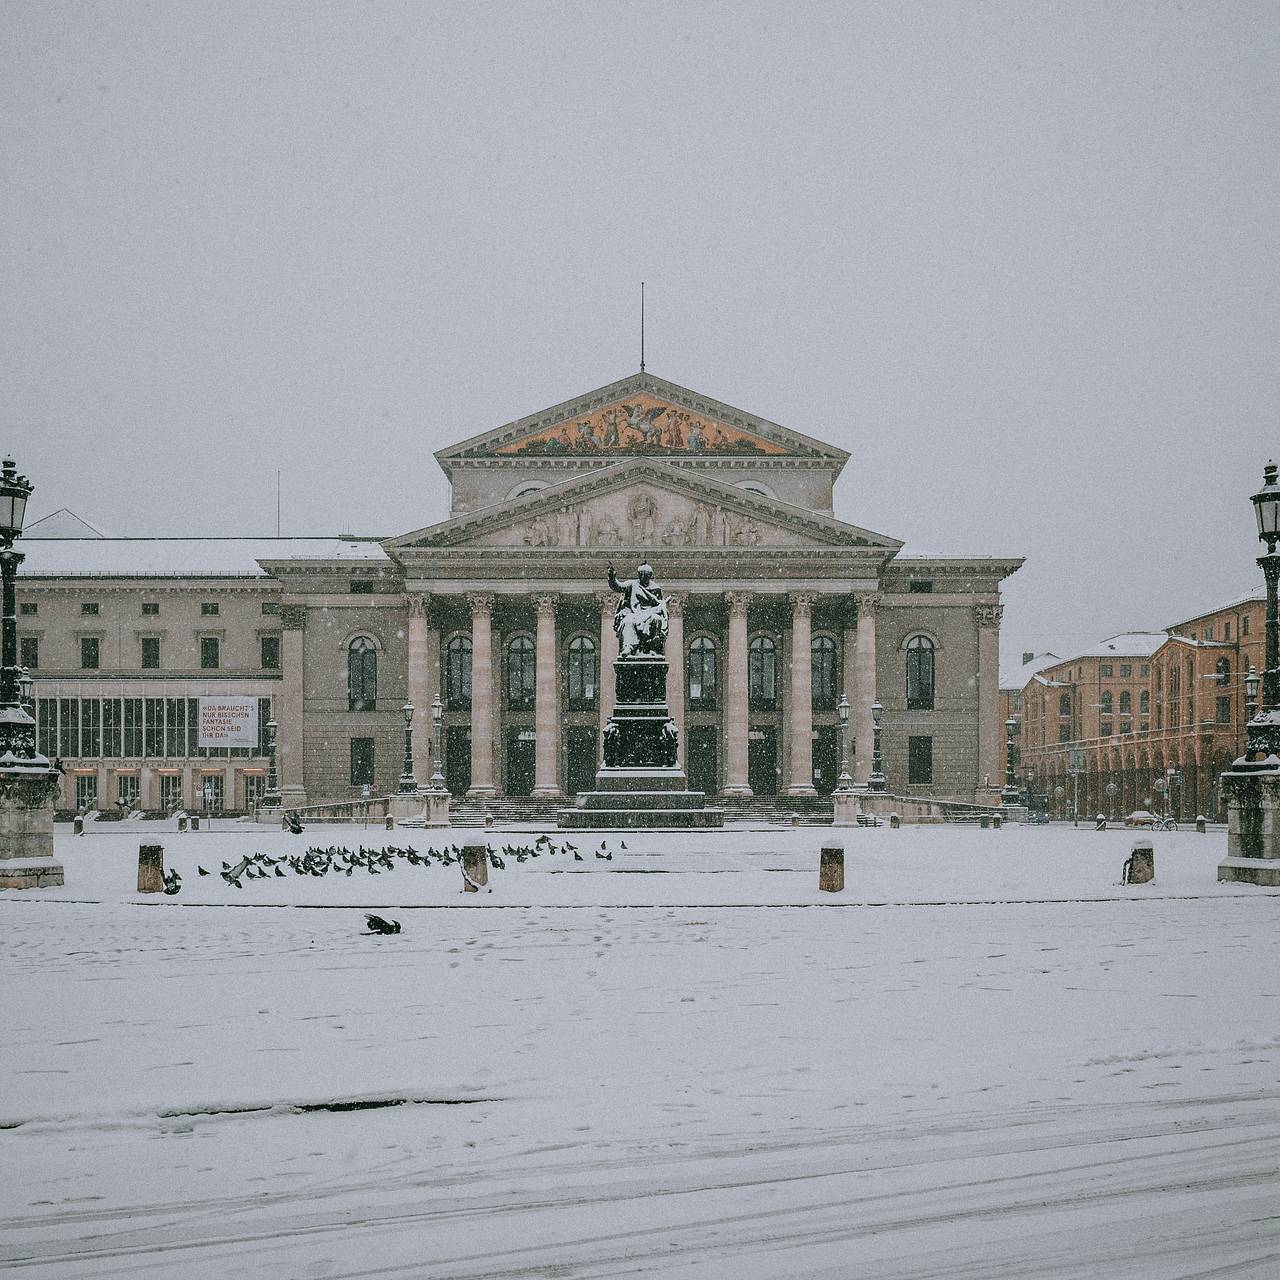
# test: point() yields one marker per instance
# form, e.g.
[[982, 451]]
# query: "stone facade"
[[500, 610]]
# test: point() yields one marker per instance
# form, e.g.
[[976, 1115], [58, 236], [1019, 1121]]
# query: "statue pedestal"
[[26, 829], [640, 784]]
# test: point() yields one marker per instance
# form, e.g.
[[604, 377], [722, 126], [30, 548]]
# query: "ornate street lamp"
[[1251, 682], [271, 797], [437, 742], [1263, 739], [877, 780], [1010, 794], [1112, 791], [1058, 792], [17, 728], [845, 781], [408, 784]]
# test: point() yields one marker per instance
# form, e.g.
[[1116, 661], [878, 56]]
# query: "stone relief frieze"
[[643, 517]]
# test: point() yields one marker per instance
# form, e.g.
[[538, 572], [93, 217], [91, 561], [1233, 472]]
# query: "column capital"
[[676, 601], [988, 615], [419, 602], [737, 602], [480, 601], [546, 604], [293, 617], [802, 602], [866, 601]]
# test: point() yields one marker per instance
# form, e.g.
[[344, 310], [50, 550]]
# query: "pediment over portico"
[[643, 503]]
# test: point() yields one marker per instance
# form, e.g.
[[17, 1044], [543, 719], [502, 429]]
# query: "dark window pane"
[[362, 675], [29, 652], [361, 762], [824, 673], [270, 651], [762, 674], [582, 674], [150, 651], [520, 674], [89, 653], [920, 674], [209, 655], [919, 760], [457, 681], [702, 674]]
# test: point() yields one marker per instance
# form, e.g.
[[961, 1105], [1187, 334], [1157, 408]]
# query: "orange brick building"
[[1145, 720]]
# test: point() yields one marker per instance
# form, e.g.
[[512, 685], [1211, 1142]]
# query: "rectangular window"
[[1105, 669], [47, 726], [1226, 631], [361, 762], [127, 791], [89, 609], [270, 650], [919, 760], [29, 652], [209, 609], [1208, 633], [1126, 668], [132, 728], [27, 609], [153, 737], [150, 609], [68, 728], [209, 653], [1224, 710], [1106, 729], [1144, 669], [361, 587], [90, 727], [111, 727], [920, 586], [86, 791], [1244, 626], [89, 653], [1064, 733], [150, 652], [270, 607]]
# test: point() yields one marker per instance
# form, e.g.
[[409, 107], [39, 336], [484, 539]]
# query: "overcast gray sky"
[[1020, 259]]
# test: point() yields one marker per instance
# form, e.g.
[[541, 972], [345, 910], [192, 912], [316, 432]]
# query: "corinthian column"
[[607, 601], [801, 696], [735, 697], [676, 601], [421, 686], [293, 789], [990, 737], [546, 721], [864, 680], [482, 694]]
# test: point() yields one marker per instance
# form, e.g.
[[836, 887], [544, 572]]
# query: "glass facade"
[[132, 729]]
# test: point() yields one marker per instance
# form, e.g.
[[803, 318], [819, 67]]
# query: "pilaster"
[[737, 710], [801, 695], [483, 694]]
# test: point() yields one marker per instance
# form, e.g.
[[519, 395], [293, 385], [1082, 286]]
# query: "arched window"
[[1144, 702], [919, 674], [762, 674], [702, 673], [521, 674], [1223, 670], [457, 674], [1126, 702], [823, 650], [1106, 702], [582, 673], [362, 675]]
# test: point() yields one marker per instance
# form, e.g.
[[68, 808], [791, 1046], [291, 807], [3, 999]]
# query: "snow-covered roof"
[[181, 557], [1258, 593], [1017, 677], [909, 552], [1128, 644], [64, 523]]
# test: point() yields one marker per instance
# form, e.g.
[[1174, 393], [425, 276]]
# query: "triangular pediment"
[[643, 503], [640, 416]]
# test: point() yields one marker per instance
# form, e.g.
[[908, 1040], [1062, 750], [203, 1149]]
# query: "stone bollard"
[[831, 868], [77, 825], [488, 820], [983, 821], [795, 819], [1100, 822], [475, 867], [391, 822], [1202, 824], [195, 822], [894, 822], [151, 868], [1140, 866], [182, 822], [996, 821]]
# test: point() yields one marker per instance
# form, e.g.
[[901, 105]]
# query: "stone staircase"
[[754, 811]]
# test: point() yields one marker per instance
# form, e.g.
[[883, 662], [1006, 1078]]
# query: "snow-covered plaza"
[[985, 1058]]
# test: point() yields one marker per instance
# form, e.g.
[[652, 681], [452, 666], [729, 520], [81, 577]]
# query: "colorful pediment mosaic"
[[642, 425]]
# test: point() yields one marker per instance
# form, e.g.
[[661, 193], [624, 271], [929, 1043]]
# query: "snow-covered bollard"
[[1202, 823], [894, 822], [182, 822], [391, 822], [195, 822], [488, 820], [831, 868], [997, 821], [475, 867], [983, 821], [1100, 822], [1140, 866], [151, 868], [77, 825]]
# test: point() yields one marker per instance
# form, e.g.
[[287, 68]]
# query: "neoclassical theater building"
[[501, 610]]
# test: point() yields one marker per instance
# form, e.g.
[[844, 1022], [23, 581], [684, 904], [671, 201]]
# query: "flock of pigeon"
[[340, 860]]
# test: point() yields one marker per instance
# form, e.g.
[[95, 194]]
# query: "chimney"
[[1026, 657]]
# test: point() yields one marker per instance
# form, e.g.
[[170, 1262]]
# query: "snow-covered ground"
[[986, 1058]]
